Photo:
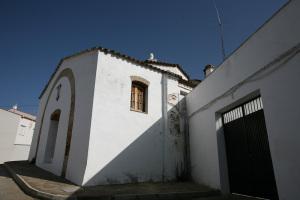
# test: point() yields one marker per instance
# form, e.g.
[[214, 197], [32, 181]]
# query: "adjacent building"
[[243, 117], [15, 134]]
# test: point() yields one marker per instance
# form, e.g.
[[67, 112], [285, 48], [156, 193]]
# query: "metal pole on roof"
[[221, 30]]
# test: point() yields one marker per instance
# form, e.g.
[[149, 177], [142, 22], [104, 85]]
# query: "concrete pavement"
[[228, 197], [9, 190], [44, 185]]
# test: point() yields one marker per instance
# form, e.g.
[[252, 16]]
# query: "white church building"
[[107, 118]]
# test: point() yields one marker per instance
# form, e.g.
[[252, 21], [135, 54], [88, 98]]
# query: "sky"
[[35, 35]]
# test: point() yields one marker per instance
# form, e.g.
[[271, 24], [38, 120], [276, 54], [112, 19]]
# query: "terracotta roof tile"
[[117, 54], [167, 64]]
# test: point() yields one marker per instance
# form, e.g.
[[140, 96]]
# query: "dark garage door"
[[248, 155]]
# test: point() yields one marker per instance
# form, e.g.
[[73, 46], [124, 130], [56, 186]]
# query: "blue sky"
[[35, 35]]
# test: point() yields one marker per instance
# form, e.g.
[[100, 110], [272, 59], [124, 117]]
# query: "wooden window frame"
[[139, 97]]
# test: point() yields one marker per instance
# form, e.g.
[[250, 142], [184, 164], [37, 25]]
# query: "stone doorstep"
[[30, 190]]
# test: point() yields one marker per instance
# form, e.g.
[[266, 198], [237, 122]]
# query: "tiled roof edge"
[[114, 53], [167, 64], [161, 63]]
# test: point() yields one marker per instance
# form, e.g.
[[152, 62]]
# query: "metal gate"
[[248, 155]]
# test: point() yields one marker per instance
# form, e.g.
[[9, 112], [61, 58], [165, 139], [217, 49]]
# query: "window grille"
[[243, 110]]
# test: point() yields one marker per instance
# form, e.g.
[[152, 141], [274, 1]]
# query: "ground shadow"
[[3, 172]]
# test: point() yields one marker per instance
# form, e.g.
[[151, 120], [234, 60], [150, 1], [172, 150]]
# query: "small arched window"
[[138, 96]]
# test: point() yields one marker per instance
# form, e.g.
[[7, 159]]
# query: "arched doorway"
[[52, 135], [67, 73]]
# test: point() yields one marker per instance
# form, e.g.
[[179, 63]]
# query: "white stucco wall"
[[127, 146], [34, 142], [84, 69], [278, 86], [64, 105], [111, 144], [15, 136]]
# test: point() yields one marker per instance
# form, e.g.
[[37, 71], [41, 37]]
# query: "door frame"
[[223, 160]]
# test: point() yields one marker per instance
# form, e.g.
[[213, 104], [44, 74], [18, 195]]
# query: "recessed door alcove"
[[52, 135]]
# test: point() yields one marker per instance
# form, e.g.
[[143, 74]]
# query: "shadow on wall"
[[155, 156], [146, 159], [224, 179]]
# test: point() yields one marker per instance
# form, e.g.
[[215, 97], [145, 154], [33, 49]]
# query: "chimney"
[[208, 69]]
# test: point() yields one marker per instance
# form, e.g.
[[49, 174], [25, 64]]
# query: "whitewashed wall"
[[127, 146], [111, 144], [84, 70], [62, 104], [278, 86], [15, 136]]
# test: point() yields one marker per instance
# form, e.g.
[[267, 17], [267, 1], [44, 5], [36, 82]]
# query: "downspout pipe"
[[164, 85]]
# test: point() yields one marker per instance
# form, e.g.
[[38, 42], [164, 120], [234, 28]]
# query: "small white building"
[[15, 134], [107, 118]]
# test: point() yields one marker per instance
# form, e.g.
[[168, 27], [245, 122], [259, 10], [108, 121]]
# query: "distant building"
[[16, 131]]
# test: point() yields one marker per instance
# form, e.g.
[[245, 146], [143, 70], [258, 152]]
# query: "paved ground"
[[229, 197], [9, 190], [42, 180]]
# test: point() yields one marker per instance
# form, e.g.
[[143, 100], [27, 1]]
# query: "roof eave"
[[114, 53], [168, 65]]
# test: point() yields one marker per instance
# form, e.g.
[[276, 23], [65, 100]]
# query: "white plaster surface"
[[15, 136], [64, 105], [110, 143], [278, 86], [127, 146], [84, 70]]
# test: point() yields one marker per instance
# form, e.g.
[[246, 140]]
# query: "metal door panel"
[[249, 161]]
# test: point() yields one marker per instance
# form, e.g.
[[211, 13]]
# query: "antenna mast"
[[221, 30]]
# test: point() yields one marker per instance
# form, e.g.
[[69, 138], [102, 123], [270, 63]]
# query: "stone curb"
[[28, 189]]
